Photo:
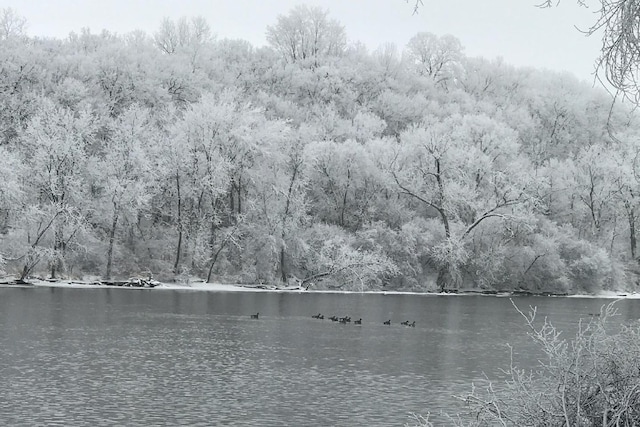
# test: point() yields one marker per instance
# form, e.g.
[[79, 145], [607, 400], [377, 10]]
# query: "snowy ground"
[[195, 286], [222, 287]]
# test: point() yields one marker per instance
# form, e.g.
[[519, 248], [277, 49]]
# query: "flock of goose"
[[347, 319], [359, 321]]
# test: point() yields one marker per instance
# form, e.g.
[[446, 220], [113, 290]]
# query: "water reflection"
[[154, 357]]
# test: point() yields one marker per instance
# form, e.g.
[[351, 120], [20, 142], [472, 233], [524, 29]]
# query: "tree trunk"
[[441, 205], [31, 259], [240, 196], [58, 245], [112, 238], [25, 273], [179, 246], [632, 230], [216, 254], [283, 270], [213, 262], [443, 278], [345, 198]]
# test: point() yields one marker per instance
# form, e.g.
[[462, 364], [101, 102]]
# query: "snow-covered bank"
[[609, 295], [196, 286], [224, 287]]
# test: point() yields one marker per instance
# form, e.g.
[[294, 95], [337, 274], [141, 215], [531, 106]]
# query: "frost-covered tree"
[[123, 172], [436, 57], [346, 182], [619, 61], [344, 260], [280, 204], [210, 164], [12, 25], [307, 34], [184, 33], [187, 39], [467, 170], [244, 161], [55, 146]]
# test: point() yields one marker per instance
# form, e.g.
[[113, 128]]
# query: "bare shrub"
[[591, 379]]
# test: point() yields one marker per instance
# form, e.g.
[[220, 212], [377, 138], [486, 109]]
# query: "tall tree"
[[467, 170], [345, 182], [212, 153], [185, 38], [307, 33], [12, 25], [122, 172], [54, 144], [172, 36], [280, 206], [436, 57]]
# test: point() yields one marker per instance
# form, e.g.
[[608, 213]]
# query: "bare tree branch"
[[618, 65]]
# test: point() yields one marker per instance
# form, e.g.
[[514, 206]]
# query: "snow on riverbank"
[[196, 286], [609, 295], [222, 287]]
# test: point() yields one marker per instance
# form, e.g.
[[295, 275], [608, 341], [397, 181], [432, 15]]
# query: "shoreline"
[[222, 287]]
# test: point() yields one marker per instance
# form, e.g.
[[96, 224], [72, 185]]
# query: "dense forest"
[[312, 161]]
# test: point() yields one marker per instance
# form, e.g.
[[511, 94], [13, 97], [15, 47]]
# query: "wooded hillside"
[[179, 154]]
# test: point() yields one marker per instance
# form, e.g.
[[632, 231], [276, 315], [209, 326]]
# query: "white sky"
[[513, 29]]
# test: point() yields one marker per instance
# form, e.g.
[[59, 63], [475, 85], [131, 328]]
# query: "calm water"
[[157, 357]]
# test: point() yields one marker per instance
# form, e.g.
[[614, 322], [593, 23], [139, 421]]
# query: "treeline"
[[311, 161]]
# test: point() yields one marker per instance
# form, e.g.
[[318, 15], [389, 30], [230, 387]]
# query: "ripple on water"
[[73, 357]]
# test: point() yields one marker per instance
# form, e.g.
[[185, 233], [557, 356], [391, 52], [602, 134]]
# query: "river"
[[104, 357]]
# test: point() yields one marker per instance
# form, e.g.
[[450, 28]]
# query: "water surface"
[[168, 357]]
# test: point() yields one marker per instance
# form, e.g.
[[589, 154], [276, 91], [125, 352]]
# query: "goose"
[[255, 316], [405, 323], [358, 322], [388, 322]]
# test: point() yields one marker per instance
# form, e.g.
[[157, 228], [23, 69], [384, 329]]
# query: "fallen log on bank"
[[134, 282], [15, 282], [130, 283]]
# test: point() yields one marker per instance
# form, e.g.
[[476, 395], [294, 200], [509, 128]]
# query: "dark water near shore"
[[97, 357]]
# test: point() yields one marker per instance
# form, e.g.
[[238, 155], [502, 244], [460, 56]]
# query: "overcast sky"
[[513, 29]]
